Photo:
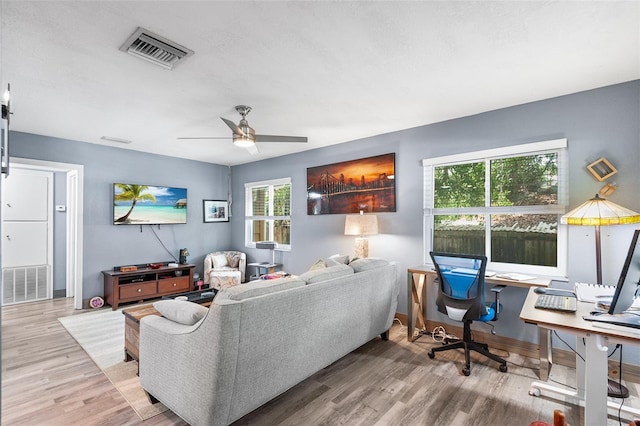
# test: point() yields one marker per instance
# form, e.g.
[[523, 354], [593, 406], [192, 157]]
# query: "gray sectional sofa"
[[259, 339]]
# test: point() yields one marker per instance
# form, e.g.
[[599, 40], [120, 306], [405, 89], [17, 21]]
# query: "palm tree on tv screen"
[[132, 193]]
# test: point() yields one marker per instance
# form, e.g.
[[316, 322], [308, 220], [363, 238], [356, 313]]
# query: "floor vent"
[[155, 49], [24, 284]]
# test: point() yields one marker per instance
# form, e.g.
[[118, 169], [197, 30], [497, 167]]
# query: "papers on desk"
[[515, 277], [593, 292]]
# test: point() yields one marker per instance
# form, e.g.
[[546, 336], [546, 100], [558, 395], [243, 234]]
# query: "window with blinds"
[[268, 212], [504, 203]]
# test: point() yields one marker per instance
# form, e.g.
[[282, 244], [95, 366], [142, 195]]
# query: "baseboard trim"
[[567, 358]]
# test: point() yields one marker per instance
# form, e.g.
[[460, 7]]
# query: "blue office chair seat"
[[461, 296]]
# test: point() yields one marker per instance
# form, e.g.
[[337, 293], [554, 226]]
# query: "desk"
[[420, 277], [591, 389]]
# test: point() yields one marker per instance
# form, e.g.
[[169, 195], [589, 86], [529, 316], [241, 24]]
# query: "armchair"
[[461, 296], [224, 268]]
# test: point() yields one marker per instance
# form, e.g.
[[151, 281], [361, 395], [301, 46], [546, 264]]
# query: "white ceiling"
[[331, 71]]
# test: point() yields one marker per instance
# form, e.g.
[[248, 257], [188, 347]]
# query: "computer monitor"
[[629, 280]]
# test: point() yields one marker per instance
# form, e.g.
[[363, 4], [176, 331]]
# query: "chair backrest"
[[461, 293]]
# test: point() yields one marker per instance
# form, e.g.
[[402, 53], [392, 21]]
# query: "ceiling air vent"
[[154, 48]]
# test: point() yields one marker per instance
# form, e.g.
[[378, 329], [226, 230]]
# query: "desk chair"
[[461, 297]]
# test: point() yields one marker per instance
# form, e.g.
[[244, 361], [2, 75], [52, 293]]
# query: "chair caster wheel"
[[466, 371], [534, 392], [431, 354], [503, 368]]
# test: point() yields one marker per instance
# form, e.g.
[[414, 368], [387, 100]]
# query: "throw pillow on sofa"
[[259, 288], [319, 264], [340, 258], [325, 274], [181, 311], [366, 263]]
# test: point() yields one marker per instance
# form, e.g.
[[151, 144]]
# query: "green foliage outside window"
[[524, 237], [271, 201]]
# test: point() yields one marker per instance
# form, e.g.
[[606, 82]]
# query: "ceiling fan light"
[[243, 141]]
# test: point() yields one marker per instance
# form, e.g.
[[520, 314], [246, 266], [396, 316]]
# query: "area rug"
[[101, 335]]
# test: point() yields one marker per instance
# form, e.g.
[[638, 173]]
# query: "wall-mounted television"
[[148, 205]]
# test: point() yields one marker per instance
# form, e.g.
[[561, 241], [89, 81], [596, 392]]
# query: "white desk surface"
[[571, 322]]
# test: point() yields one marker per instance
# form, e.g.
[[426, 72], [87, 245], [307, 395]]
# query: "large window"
[[503, 203], [268, 212]]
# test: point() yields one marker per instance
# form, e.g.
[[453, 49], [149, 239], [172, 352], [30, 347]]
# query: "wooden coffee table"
[[132, 317]]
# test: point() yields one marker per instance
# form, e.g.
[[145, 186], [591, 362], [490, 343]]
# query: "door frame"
[[75, 227]]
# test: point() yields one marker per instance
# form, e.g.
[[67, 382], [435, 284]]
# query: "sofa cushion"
[[327, 273], [366, 263], [220, 260], [259, 288], [181, 311]]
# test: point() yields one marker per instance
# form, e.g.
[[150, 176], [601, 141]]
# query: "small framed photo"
[[602, 169], [215, 210]]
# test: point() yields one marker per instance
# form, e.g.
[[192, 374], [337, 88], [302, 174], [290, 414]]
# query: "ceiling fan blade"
[[203, 137], [273, 138], [233, 126]]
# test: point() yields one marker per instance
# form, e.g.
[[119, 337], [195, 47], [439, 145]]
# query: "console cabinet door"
[[172, 285]]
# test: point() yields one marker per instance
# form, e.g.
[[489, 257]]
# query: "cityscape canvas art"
[[366, 184]]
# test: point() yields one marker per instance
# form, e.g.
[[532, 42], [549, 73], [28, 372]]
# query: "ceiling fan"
[[245, 137]]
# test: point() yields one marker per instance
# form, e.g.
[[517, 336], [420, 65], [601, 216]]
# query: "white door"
[[27, 236]]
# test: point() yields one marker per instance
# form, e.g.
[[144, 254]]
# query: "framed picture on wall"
[[215, 210], [366, 184]]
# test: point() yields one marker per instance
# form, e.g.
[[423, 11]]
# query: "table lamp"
[[361, 225], [598, 211]]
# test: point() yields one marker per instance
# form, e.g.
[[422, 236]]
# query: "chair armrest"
[[497, 290], [242, 266], [208, 265]]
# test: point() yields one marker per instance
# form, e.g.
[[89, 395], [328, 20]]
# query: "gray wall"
[[106, 245], [601, 122]]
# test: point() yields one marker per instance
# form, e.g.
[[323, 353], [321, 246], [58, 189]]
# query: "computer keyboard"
[[556, 302]]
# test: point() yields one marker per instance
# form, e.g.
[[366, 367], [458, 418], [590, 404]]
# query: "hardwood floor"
[[47, 379]]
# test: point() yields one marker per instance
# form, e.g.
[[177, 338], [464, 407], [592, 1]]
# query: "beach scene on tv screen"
[[148, 205]]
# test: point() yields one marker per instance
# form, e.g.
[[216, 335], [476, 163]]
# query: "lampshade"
[[598, 211], [361, 224]]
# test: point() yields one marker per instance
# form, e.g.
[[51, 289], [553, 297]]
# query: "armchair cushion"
[[181, 311]]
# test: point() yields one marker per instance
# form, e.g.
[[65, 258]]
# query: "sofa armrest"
[[192, 368]]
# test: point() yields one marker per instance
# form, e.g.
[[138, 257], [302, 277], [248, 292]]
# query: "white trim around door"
[[75, 190]]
